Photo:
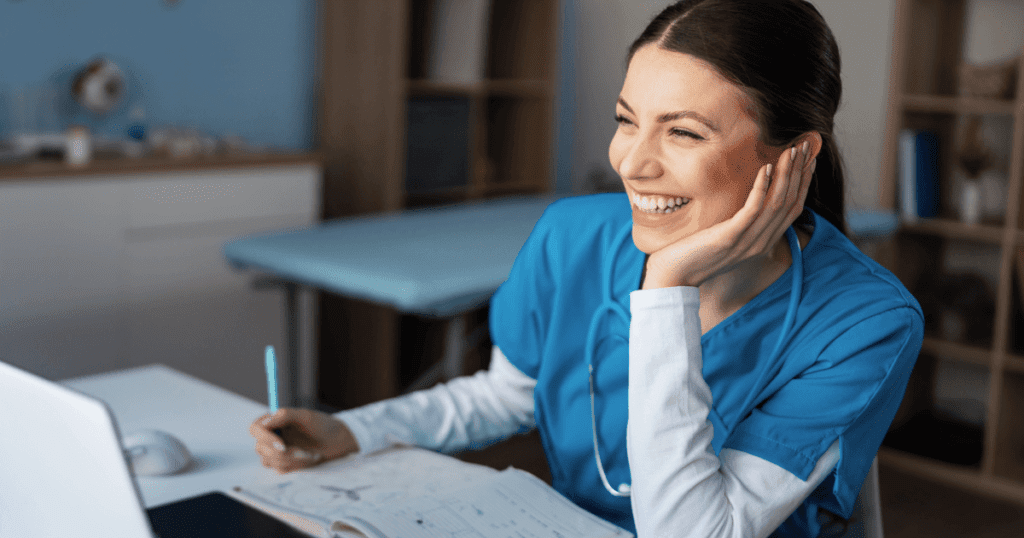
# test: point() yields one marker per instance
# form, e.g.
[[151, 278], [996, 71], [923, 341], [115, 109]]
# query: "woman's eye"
[[686, 134], [622, 120]]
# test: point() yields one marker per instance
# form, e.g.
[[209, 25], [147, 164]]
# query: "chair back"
[[866, 521]]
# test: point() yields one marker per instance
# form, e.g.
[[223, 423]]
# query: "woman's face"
[[687, 147]]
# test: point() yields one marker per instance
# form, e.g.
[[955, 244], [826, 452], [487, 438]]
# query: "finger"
[[800, 172], [777, 207], [293, 461], [804, 189], [257, 424], [281, 418], [755, 200], [284, 461], [265, 436], [737, 230], [795, 174]]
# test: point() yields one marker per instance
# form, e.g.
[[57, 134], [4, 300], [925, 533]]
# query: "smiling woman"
[[732, 369]]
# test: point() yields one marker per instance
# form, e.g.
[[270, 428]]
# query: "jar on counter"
[[79, 146]]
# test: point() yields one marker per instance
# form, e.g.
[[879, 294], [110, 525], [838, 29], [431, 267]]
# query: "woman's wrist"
[[656, 277]]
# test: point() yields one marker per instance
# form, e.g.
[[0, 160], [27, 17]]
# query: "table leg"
[[451, 364], [296, 367], [454, 348], [291, 381]]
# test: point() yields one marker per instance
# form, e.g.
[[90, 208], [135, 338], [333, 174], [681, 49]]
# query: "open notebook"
[[411, 492]]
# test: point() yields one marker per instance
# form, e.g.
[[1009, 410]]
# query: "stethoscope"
[[608, 304]]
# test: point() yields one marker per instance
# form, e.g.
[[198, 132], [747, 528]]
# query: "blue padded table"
[[436, 262]]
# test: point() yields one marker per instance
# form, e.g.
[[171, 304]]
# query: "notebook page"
[[513, 504], [365, 483]]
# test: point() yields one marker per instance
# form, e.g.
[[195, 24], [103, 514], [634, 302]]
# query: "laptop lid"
[[62, 470]]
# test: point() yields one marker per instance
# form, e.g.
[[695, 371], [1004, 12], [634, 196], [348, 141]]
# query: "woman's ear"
[[813, 138]]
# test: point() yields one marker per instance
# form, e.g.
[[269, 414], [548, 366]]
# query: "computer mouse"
[[155, 453]]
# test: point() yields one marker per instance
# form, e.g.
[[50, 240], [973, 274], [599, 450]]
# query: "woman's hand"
[[753, 231], [309, 437]]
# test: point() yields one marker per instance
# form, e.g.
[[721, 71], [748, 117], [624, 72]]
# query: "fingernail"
[[306, 455], [792, 153], [768, 172], [804, 148], [814, 164], [265, 421], [278, 446]]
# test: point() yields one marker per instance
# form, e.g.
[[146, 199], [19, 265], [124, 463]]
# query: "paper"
[[415, 493], [366, 483], [514, 504]]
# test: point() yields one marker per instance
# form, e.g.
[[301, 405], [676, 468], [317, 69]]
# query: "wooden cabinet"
[[106, 269], [394, 138], [978, 337]]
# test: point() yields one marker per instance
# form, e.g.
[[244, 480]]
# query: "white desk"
[[212, 422]]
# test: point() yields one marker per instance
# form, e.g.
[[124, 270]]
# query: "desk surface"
[[435, 261], [212, 422]]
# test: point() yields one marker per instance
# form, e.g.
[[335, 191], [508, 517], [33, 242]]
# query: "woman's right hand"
[[309, 438]]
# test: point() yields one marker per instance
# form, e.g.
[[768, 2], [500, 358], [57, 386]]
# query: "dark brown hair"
[[784, 56]]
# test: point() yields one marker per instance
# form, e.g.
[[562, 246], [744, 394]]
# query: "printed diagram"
[[369, 483], [312, 497], [323, 495]]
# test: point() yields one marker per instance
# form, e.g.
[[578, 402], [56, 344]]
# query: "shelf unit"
[[375, 100], [928, 45]]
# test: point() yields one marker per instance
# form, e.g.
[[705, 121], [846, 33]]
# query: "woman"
[[732, 369]]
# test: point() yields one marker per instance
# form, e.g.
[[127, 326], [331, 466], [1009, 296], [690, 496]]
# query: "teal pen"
[[271, 363]]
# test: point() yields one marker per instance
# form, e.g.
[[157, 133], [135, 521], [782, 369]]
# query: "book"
[[415, 493], [458, 47], [918, 174]]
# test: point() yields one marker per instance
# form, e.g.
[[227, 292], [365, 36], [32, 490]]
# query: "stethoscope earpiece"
[[624, 489]]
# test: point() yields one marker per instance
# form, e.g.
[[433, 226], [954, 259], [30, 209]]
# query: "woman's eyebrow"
[[672, 116]]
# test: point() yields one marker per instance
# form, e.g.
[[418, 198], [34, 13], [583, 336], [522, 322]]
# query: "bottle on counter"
[[79, 146]]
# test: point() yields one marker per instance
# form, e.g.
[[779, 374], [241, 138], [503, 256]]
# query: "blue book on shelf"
[[926, 155], [918, 174]]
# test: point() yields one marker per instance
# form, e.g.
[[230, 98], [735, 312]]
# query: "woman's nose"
[[641, 159]]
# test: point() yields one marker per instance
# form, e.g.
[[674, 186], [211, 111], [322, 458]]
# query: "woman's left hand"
[[753, 231]]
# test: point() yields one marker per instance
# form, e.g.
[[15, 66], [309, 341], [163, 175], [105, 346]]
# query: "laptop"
[[63, 473]]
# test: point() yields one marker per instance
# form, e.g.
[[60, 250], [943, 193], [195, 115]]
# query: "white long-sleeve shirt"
[[680, 486]]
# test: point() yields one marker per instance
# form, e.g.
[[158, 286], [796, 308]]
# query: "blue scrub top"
[[839, 373]]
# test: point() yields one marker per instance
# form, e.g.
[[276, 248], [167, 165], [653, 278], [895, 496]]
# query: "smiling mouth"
[[658, 204]]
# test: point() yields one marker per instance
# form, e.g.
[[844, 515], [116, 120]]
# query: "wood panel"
[[362, 140]]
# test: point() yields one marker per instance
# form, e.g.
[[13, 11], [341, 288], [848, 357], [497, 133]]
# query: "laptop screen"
[[63, 473]]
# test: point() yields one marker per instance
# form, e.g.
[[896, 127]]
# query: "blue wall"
[[243, 67]]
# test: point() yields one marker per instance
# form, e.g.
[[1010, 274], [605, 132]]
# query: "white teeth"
[[659, 204]]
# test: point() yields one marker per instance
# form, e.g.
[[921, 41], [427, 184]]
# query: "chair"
[[866, 521]]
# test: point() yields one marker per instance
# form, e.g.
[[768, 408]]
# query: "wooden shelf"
[[507, 87], [958, 476], [957, 352], [150, 165], [957, 105], [924, 85], [1014, 363], [953, 229], [374, 83], [512, 187]]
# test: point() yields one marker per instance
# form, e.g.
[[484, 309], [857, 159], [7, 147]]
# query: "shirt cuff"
[[368, 442], [677, 296]]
